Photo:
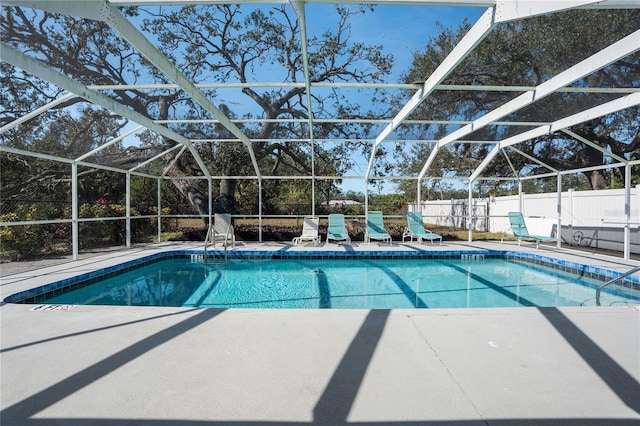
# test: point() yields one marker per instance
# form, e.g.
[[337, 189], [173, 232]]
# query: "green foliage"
[[26, 240], [389, 203], [112, 231]]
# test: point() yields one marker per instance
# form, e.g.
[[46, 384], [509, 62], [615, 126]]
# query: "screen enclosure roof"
[[392, 112]]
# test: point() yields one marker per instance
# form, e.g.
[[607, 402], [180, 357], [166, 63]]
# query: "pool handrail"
[[211, 236], [613, 280]]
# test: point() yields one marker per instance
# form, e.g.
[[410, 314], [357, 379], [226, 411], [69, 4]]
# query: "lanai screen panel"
[[223, 79]]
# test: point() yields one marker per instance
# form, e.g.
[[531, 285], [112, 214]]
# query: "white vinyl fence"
[[588, 218]]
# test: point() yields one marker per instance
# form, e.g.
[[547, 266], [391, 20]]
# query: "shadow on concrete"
[[336, 401], [94, 330], [19, 414], [617, 378]]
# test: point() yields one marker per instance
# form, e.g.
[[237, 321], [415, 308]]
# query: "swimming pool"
[[374, 281]]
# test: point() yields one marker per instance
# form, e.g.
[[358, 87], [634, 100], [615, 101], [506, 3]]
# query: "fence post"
[[627, 211], [259, 210], [470, 214], [559, 219], [638, 201], [570, 209], [210, 203], [159, 203], [128, 209], [74, 210], [520, 198]]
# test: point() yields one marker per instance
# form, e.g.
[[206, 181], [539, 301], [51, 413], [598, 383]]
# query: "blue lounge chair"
[[415, 229], [375, 228], [519, 229], [337, 230]]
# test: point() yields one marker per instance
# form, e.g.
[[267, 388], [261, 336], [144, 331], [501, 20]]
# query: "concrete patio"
[[99, 365]]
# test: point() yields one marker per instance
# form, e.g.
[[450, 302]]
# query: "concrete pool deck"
[[98, 365]]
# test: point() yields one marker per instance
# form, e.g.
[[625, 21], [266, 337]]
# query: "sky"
[[400, 29]]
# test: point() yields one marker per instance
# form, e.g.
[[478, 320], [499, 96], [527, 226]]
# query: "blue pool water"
[[341, 283]]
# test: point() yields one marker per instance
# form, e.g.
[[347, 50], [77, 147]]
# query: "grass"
[[169, 236]]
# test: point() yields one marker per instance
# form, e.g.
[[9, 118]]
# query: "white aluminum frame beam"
[[37, 112], [174, 161], [37, 68], [101, 11], [508, 10], [108, 144], [594, 146], [616, 51], [343, 120], [488, 159], [535, 160], [299, 8], [55, 158], [588, 114], [574, 171], [476, 34], [341, 85], [162, 154], [513, 169], [594, 168], [560, 125], [502, 12]]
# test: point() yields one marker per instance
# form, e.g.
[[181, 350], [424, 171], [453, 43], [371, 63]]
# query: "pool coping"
[[39, 294]]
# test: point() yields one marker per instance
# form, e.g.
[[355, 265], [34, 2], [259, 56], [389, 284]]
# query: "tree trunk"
[[597, 180], [197, 199], [226, 199], [597, 177]]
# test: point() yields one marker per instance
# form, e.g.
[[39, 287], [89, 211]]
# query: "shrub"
[[25, 241]]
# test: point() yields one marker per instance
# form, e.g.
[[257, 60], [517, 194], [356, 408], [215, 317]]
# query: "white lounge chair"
[[222, 230], [309, 232]]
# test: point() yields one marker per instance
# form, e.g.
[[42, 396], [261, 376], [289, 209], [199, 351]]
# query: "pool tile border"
[[39, 294]]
